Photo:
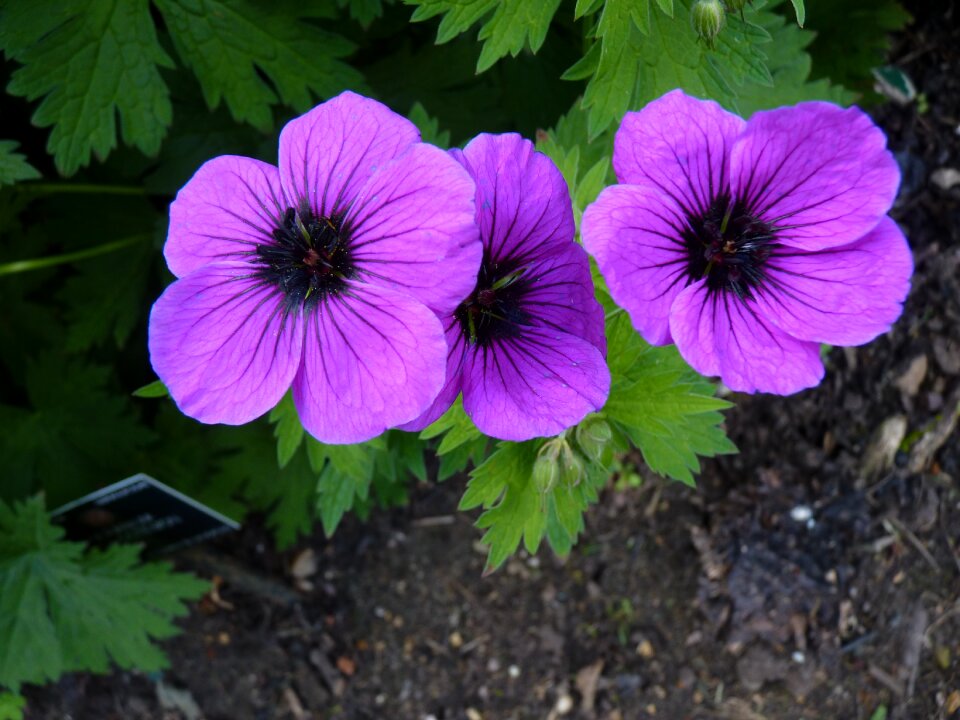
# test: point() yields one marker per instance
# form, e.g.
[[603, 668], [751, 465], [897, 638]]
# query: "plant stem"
[[65, 188], [19, 266]]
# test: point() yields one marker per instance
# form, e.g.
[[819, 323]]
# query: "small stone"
[[912, 378], [513, 671], [493, 665], [883, 446], [473, 714], [801, 513], [645, 649], [564, 704], [455, 640], [945, 177], [947, 354]]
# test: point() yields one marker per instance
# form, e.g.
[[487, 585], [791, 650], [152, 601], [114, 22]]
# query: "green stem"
[[19, 266], [54, 188]]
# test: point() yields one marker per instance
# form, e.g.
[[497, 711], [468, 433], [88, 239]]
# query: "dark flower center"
[[728, 246], [310, 258], [493, 310]]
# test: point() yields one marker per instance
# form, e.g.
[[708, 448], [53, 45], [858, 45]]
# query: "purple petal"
[[523, 204], [719, 334], [534, 386], [820, 173], [678, 145], [561, 297], [843, 296], [634, 233], [222, 344], [374, 358], [454, 382], [412, 227], [329, 153], [230, 205]]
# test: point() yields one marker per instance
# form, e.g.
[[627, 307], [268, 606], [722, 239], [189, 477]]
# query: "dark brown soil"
[[793, 584]]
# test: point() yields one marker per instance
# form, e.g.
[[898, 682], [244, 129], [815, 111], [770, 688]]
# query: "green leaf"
[[502, 486], [428, 126], [105, 300], [456, 427], [229, 43], [63, 610], [852, 38], [14, 166], [515, 24], [337, 493], [156, 389], [89, 60], [288, 430], [666, 409], [11, 706], [363, 11], [789, 65], [58, 442], [800, 10], [644, 54]]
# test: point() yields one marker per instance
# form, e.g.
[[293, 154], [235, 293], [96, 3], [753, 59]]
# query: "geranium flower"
[[326, 275], [527, 345], [749, 243]]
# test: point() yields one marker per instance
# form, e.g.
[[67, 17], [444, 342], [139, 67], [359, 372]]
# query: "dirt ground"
[[805, 578]]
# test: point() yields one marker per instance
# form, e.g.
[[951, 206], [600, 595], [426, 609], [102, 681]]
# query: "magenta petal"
[[329, 153], [634, 234], [560, 296], [412, 227], [222, 344], [678, 145], [843, 296], [229, 206], [533, 386], [373, 359], [523, 204], [454, 382], [821, 174], [719, 334]]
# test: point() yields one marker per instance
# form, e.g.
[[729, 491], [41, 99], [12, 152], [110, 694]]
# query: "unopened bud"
[[708, 17], [572, 465], [593, 436], [546, 469]]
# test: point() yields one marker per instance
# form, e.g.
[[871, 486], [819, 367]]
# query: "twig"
[[894, 525]]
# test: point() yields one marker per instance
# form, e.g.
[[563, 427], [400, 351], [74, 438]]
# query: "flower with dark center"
[[750, 243], [527, 344], [326, 275]]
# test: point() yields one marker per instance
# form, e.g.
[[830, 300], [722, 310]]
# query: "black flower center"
[[310, 258], [728, 246], [493, 311]]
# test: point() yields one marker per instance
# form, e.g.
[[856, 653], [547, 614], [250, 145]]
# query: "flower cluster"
[[380, 277], [341, 272]]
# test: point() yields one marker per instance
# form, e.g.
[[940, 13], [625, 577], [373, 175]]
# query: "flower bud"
[[593, 437], [708, 17], [546, 469], [572, 466]]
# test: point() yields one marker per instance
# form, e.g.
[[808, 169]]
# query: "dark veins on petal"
[[729, 246], [309, 259], [494, 311]]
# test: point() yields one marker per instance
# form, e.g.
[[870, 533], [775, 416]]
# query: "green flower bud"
[[546, 469], [593, 437], [708, 18], [572, 465]]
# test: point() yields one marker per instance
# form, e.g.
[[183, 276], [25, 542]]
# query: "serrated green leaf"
[[514, 25], [363, 11], [456, 427], [13, 165], [64, 610], [156, 389], [11, 706], [428, 126], [228, 43], [287, 429], [89, 60], [800, 11], [336, 494]]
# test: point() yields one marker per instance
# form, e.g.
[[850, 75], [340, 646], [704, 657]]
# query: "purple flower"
[[748, 243], [326, 274], [527, 346]]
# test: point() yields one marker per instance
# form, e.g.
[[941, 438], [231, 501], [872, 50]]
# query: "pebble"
[[564, 704], [513, 671]]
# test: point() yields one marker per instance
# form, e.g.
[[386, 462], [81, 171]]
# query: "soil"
[[805, 578]]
